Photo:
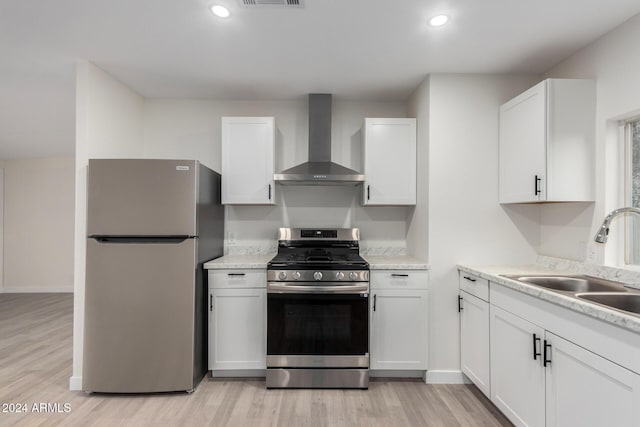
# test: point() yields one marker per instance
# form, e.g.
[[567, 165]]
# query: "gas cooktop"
[[325, 249]]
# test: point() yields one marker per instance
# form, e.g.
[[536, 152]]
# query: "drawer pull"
[[469, 278], [235, 274], [459, 304], [399, 275]]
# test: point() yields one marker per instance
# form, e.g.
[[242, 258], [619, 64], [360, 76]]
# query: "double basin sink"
[[600, 291]]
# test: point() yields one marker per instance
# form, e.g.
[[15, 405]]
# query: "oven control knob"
[[296, 275], [317, 275], [282, 275], [353, 275], [339, 275]]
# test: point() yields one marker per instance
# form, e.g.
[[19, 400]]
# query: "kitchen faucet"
[[603, 232]]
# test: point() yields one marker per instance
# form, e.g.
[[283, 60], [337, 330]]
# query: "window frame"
[[627, 126]]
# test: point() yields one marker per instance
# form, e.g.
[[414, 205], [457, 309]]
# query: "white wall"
[[109, 119], [466, 224], [614, 61], [191, 129], [38, 225]]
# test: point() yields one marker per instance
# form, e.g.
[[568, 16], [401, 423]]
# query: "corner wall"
[[108, 125], [465, 222]]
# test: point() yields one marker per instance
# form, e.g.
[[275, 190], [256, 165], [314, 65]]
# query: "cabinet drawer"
[[474, 285], [255, 278], [399, 279]]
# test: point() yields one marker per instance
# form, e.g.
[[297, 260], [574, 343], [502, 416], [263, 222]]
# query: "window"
[[632, 140]]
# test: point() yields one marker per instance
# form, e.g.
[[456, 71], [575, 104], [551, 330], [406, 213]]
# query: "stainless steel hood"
[[319, 170]]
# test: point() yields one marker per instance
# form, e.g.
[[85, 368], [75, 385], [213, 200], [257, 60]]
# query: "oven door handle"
[[287, 288]]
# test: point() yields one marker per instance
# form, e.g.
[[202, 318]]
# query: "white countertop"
[[239, 261], [377, 262], [494, 274], [395, 262]]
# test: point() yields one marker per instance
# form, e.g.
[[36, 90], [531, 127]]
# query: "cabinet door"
[[474, 341], [398, 337], [237, 338], [390, 162], [584, 389], [517, 376], [248, 160], [523, 147]]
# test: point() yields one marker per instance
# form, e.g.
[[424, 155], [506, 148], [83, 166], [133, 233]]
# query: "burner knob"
[[317, 275], [282, 275], [339, 275], [296, 275], [353, 275]]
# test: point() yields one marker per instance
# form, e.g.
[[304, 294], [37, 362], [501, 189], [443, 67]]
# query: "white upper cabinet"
[[547, 143], [248, 145], [389, 161]]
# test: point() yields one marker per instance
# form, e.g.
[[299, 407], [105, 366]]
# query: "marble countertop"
[[395, 262], [376, 262], [494, 274], [239, 261]]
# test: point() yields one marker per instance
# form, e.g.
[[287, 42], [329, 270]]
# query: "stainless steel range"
[[318, 310]]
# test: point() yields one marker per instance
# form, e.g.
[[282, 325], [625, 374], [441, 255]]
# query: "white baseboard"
[[37, 289], [446, 377], [75, 383]]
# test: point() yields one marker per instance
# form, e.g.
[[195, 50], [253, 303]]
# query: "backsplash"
[[626, 276], [260, 247]]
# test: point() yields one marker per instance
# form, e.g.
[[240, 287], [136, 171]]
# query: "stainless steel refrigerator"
[[151, 224]]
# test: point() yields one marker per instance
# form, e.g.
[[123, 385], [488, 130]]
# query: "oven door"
[[307, 328]]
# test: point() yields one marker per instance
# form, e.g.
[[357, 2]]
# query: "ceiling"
[[355, 49]]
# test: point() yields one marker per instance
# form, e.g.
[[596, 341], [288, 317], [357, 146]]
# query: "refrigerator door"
[[142, 197], [139, 317]]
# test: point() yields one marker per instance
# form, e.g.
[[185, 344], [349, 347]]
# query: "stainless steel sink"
[[572, 284], [625, 302]]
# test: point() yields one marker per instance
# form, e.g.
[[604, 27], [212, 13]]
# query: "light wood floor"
[[35, 366]]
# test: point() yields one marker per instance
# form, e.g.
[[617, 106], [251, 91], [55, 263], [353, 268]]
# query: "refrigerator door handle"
[[140, 239]]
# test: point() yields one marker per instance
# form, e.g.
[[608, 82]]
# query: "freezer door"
[[139, 317], [142, 197]]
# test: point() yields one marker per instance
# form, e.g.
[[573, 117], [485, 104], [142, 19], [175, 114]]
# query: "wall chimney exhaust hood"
[[319, 170]]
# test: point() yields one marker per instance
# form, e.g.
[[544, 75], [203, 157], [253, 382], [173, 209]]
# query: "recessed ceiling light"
[[220, 11], [438, 21]]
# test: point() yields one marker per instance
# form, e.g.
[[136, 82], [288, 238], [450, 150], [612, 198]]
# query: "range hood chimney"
[[319, 170]]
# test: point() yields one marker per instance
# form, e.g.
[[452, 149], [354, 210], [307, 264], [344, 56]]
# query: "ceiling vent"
[[258, 3]]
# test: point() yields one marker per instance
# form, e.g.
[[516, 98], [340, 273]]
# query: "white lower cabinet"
[[584, 389], [517, 376], [398, 327], [474, 340], [237, 322], [539, 378]]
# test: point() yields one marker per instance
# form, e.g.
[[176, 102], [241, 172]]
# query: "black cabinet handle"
[[459, 304], [546, 358], [469, 278], [210, 302], [399, 275], [536, 353], [235, 274], [536, 185], [269, 191], [374, 302], [368, 192]]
